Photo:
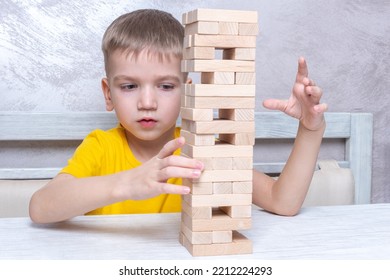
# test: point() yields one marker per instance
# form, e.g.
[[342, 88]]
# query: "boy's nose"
[[147, 100]]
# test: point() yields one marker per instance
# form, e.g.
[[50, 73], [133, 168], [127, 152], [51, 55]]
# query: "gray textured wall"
[[50, 58]]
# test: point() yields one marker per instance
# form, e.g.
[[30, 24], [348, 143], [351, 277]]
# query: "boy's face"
[[145, 94]]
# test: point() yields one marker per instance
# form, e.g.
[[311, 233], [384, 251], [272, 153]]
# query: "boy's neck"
[[145, 150]]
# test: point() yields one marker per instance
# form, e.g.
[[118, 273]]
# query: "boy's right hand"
[[150, 179]]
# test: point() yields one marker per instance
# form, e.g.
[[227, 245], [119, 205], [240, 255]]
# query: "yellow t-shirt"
[[107, 152]]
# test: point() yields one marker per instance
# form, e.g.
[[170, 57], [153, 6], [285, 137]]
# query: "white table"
[[332, 232]]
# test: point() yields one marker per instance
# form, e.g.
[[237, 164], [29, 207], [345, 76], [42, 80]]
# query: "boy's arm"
[[286, 195], [66, 196]]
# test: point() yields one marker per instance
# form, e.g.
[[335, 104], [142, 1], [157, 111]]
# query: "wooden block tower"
[[218, 125]]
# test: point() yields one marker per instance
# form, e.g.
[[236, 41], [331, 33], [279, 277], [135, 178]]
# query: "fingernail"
[[196, 172], [186, 190], [199, 165]]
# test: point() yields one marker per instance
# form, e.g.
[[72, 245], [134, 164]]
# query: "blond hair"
[[156, 31]]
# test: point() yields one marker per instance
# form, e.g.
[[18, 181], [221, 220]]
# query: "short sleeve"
[[86, 160]]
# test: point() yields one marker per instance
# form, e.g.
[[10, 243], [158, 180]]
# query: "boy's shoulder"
[[109, 136]]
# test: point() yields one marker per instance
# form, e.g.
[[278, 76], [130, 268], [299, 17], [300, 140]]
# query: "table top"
[[327, 232]]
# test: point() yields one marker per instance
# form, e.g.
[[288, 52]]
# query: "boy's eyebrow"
[[158, 78]]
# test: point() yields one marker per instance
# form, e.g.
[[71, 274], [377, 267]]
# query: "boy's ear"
[[189, 81], [107, 95]]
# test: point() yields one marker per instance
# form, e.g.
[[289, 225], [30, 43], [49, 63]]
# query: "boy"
[[136, 167]]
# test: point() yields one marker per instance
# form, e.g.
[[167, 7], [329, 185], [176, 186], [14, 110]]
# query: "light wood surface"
[[329, 232]]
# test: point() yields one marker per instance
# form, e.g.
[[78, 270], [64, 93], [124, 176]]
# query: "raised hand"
[[304, 102], [150, 179]]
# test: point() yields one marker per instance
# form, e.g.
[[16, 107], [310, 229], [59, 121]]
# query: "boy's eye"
[[128, 87], [166, 86]]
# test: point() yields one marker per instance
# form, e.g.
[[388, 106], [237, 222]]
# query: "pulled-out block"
[[218, 126], [217, 66], [201, 102]]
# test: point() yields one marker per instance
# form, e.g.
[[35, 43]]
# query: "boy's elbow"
[[35, 211]]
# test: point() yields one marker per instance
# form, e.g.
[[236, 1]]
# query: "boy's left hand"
[[304, 102]]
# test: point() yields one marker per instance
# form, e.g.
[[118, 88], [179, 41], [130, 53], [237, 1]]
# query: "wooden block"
[[238, 138], [220, 15], [196, 212], [240, 54], [218, 126], [242, 163], [201, 102], [218, 200], [219, 221], [219, 41], [219, 150], [243, 187], [199, 53], [203, 27], [193, 114], [239, 245], [197, 237], [222, 188], [196, 139], [203, 65], [237, 114], [228, 28], [222, 236], [248, 78], [217, 163], [211, 90], [238, 211], [198, 187], [248, 29], [224, 175], [218, 78]]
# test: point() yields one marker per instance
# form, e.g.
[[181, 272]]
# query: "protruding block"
[[238, 138], [219, 41], [224, 175], [194, 114], [202, 27], [198, 187], [219, 15]]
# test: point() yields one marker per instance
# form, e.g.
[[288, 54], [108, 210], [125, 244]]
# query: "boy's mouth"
[[147, 122]]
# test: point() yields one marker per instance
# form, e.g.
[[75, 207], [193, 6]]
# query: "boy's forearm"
[[291, 188], [66, 197]]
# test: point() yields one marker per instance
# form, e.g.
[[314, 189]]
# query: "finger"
[[174, 189], [275, 104], [170, 147], [302, 69], [181, 161], [308, 82], [321, 108], [178, 172], [314, 91]]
